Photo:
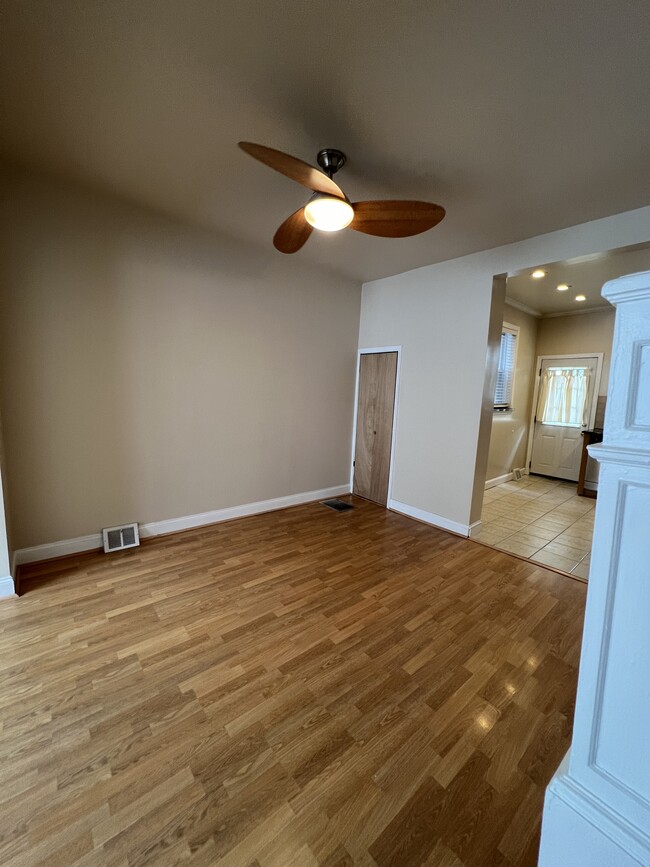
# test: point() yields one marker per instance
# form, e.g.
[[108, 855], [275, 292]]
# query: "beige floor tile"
[[529, 517], [568, 551], [541, 531], [528, 538], [577, 529], [495, 509], [581, 570], [490, 496], [492, 535], [575, 540], [542, 519], [488, 516], [546, 558], [549, 522], [513, 486], [524, 549], [512, 524]]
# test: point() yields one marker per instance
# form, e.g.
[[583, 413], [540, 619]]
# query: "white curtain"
[[563, 396]]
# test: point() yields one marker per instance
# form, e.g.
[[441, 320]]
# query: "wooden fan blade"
[[395, 219], [293, 168], [293, 233]]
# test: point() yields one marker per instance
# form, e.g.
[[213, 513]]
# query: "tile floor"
[[541, 519]]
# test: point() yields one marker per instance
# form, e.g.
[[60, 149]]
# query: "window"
[[563, 396], [506, 368]]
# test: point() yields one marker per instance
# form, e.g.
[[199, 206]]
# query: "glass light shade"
[[328, 213]]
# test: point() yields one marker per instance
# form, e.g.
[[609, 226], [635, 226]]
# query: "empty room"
[[290, 574]]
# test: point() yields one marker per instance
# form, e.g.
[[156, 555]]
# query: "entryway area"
[[549, 406], [541, 519]]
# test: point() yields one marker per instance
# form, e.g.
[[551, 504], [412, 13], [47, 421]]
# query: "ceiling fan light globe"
[[328, 213]]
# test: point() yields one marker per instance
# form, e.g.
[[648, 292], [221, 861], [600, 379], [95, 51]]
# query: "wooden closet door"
[[377, 377]]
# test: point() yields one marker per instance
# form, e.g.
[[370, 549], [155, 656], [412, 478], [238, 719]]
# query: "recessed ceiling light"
[[562, 287], [581, 297], [538, 274]]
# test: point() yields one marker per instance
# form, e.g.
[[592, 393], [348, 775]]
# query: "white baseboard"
[[7, 588], [581, 830], [173, 525], [57, 549], [499, 480], [591, 486], [475, 528], [430, 518]]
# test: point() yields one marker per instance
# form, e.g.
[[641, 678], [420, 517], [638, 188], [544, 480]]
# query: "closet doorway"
[[376, 406]]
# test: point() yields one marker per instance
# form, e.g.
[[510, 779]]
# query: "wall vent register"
[[337, 505], [118, 538]]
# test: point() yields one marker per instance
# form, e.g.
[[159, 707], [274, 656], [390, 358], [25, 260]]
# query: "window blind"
[[505, 370]]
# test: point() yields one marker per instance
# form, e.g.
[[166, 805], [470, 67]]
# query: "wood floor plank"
[[298, 688]]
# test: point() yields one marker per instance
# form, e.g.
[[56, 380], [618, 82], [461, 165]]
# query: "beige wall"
[[588, 332], [149, 370], [440, 316], [509, 437]]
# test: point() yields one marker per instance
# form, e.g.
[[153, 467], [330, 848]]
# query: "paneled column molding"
[[597, 806]]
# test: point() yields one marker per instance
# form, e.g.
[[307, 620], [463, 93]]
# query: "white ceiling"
[[518, 116], [584, 276]]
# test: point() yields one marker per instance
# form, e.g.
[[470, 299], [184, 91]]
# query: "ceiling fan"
[[330, 210]]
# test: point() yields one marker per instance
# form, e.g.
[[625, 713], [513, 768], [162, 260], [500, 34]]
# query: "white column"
[[597, 806]]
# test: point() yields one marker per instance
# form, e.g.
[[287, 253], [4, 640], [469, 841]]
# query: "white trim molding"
[[519, 305], [7, 587], [429, 518], [498, 480], [62, 548], [581, 312], [598, 835], [173, 525]]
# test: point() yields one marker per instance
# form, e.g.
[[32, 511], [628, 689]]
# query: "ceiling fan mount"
[[330, 210], [331, 160]]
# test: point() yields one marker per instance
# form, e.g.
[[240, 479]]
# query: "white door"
[[567, 392]]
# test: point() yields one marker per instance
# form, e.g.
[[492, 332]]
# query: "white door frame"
[[594, 399], [375, 350]]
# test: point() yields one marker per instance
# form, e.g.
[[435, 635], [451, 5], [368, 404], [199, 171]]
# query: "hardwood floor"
[[299, 688]]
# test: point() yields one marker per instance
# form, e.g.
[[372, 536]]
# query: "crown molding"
[[581, 312], [519, 305]]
